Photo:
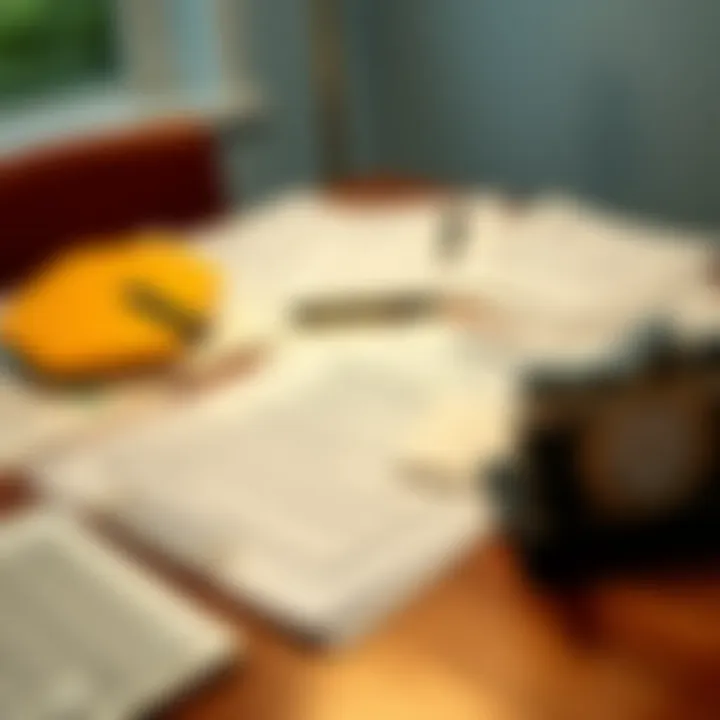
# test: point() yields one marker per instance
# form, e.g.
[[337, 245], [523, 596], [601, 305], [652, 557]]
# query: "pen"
[[453, 232]]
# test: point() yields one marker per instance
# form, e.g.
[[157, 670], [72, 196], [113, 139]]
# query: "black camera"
[[618, 466]]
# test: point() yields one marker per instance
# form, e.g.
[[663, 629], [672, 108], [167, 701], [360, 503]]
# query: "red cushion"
[[162, 174]]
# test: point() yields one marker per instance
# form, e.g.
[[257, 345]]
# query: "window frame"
[[150, 84], [149, 47]]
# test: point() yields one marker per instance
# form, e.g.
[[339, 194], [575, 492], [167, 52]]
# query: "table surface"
[[482, 643]]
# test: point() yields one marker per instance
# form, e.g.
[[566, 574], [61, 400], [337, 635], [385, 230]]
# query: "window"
[[46, 45], [69, 66]]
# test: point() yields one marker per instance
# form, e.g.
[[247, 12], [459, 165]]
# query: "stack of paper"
[[307, 243], [290, 491], [563, 272]]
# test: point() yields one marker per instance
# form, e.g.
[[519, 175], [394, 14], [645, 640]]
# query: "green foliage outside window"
[[47, 45]]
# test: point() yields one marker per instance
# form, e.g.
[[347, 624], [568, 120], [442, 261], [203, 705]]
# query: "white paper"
[[295, 477]]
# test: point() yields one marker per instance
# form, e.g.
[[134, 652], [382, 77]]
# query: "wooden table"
[[481, 644]]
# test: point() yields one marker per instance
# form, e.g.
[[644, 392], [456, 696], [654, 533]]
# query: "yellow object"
[[112, 308]]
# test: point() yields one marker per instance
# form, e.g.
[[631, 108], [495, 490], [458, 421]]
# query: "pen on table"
[[453, 233], [465, 308]]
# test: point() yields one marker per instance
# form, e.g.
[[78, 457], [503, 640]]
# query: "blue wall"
[[282, 151], [616, 99]]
